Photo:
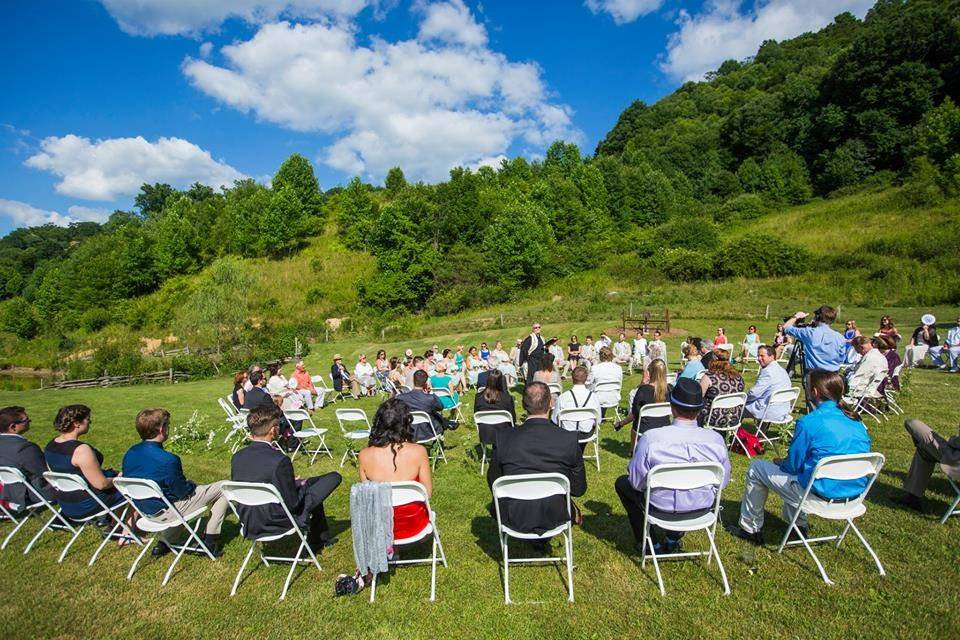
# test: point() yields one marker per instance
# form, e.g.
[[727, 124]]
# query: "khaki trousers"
[[932, 448]]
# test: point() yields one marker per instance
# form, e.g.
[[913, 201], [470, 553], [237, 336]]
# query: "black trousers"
[[633, 503], [312, 494], [533, 365]]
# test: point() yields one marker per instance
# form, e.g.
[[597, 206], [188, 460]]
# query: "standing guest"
[[547, 373], [952, 345], [420, 398], [484, 351], [720, 338], [537, 446], [850, 332], [888, 330], [588, 353], [823, 348], [682, 441], [772, 378], [577, 397], [260, 461], [531, 352], [150, 461], [19, 453], [930, 448], [871, 364], [607, 371], [441, 380], [363, 374], [640, 351], [693, 364], [68, 454], [657, 349], [750, 343], [780, 340], [830, 429], [573, 352], [621, 350], [304, 384], [494, 397], [924, 337], [654, 390], [721, 378], [339, 375], [239, 382]]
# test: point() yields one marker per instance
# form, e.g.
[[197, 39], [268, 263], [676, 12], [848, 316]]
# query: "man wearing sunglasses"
[[19, 453], [531, 352]]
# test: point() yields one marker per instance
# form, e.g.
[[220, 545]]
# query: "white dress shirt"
[[577, 397], [859, 378], [621, 351], [606, 372]]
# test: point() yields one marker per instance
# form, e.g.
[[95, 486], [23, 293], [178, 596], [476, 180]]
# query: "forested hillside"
[[857, 108]]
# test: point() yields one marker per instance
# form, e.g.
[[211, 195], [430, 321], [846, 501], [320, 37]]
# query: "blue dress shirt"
[[823, 347], [151, 461]]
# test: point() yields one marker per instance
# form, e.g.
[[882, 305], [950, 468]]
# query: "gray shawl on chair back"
[[371, 517]]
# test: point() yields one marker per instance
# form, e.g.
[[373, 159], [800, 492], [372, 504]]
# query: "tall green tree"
[[297, 173]]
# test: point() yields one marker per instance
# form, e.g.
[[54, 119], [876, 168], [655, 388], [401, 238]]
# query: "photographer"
[[823, 348]]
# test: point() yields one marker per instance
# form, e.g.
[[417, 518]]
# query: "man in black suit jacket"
[[537, 446], [531, 352], [19, 453], [257, 396], [420, 399], [260, 461]]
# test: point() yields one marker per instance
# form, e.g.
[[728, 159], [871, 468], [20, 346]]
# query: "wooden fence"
[[645, 321], [169, 376]]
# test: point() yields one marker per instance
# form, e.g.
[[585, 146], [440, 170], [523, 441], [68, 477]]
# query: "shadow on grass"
[[617, 447]]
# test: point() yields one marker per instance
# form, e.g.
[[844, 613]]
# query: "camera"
[[805, 322]]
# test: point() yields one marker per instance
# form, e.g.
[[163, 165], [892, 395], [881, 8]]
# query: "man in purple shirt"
[[681, 441]]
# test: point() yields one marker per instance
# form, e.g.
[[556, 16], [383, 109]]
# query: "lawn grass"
[[773, 596]]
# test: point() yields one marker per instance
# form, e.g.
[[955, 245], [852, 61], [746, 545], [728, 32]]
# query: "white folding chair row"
[[347, 417], [237, 418], [653, 410], [455, 408], [537, 486], [304, 434], [491, 417], [684, 476], [843, 467], [609, 386], [259, 494], [584, 414], [434, 442], [10, 476], [323, 391], [871, 392], [555, 388], [402, 493], [134, 489], [891, 394], [67, 482], [782, 398], [718, 418]]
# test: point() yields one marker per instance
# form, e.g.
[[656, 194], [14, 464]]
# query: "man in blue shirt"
[[827, 431], [149, 460], [823, 348]]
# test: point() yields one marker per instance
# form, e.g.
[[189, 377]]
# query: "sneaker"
[[911, 501], [668, 546], [753, 538]]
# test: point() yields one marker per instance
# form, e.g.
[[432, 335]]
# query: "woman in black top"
[[573, 352], [494, 397], [655, 390], [237, 396]]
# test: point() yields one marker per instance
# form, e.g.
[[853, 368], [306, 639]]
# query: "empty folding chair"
[[402, 493], [259, 494], [237, 419], [10, 476], [322, 392], [952, 509], [890, 394], [654, 410], [555, 388], [581, 415], [348, 416], [434, 442], [537, 486], [782, 399], [609, 387], [306, 433], [843, 467], [455, 409], [684, 476], [134, 489], [726, 417], [66, 483], [492, 417]]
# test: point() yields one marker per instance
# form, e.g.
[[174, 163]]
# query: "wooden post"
[[171, 375], [766, 314], [326, 334], [666, 315], [501, 321]]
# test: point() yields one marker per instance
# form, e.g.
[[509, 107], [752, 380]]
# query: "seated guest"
[[871, 364], [888, 347], [924, 337], [494, 397], [621, 350], [720, 378], [498, 351], [416, 364], [19, 453], [420, 398], [257, 396], [640, 351], [547, 373], [474, 365], [277, 384], [772, 378], [254, 368], [67, 454], [577, 397], [484, 351], [849, 335], [515, 353], [493, 362], [830, 429], [239, 382], [708, 351], [260, 461], [381, 366], [588, 352], [339, 375], [930, 448], [657, 348], [750, 343], [888, 329], [397, 371], [440, 380], [149, 460], [720, 338], [363, 375], [304, 384], [682, 441], [607, 371], [693, 364], [952, 346], [537, 446], [559, 360], [780, 340], [653, 391]]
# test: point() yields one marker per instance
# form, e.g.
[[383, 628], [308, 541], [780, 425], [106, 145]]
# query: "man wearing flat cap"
[[682, 441]]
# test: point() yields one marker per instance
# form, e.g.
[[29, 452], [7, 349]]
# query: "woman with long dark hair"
[[494, 397]]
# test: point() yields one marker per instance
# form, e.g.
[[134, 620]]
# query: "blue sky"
[[102, 96]]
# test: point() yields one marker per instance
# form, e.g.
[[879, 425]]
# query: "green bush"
[[95, 319], [760, 257], [19, 317], [196, 366], [922, 187], [682, 264], [689, 233], [747, 206], [118, 358]]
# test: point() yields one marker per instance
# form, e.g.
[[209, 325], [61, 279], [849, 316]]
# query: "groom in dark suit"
[[531, 352]]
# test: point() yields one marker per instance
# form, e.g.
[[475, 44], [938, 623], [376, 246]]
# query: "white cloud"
[[450, 22], [192, 17], [426, 105], [106, 169], [723, 32], [624, 11], [95, 214], [206, 49]]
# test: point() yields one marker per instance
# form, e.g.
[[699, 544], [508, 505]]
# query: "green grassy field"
[[773, 596]]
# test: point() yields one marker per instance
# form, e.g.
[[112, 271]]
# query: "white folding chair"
[[537, 486], [434, 442], [843, 467], [404, 388], [455, 409], [671, 378], [67, 482], [134, 489], [10, 476], [684, 476], [340, 395], [699, 376], [492, 417], [609, 386], [890, 394], [237, 418], [305, 433], [718, 418], [260, 494], [579, 415], [347, 416], [782, 398], [555, 388], [863, 402], [653, 410], [952, 509], [322, 392], [402, 493]]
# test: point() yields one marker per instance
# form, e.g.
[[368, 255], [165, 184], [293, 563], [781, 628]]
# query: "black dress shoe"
[[911, 501], [753, 538], [161, 549]]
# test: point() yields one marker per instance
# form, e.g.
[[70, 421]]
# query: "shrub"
[[688, 233], [95, 319], [196, 434], [682, 264], [922, 187], [760, 257], [196, 366], [118, 358], [747, 206], [19, 317]]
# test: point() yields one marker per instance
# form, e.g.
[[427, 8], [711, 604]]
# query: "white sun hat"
[[928, 318]]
